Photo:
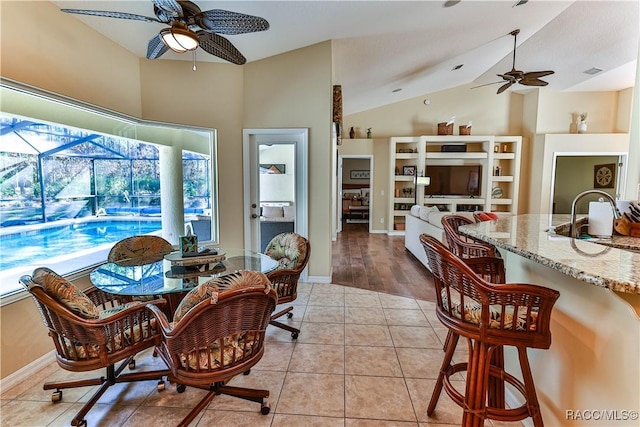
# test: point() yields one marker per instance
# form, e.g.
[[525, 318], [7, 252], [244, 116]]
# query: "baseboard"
[[319, 279], [25, 372], [378, 232]]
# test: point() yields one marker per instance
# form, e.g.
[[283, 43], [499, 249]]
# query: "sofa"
[[275, 220], [428, 220]]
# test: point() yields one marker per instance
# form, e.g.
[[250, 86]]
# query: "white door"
[[275, 179]]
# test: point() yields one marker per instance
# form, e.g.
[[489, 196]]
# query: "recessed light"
[[397, 90], [593, 70], [451, 3], [457, 67]]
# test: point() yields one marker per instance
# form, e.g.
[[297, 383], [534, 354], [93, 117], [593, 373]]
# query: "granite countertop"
[[590, 262]]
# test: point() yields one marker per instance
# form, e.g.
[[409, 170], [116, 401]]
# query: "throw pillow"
[[65, 292]]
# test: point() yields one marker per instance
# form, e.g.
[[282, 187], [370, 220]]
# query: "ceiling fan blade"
[[536, 74], [508, 77], [218, 46], [486, 84], [156, 48], [533, 82], [171, 8], [226, 22], [107, 14], [504, 87]]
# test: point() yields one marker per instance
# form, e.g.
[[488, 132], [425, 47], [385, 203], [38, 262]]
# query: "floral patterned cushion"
[[289, 249], [65, 292], [236, 348], [473, 312], [211, 289]]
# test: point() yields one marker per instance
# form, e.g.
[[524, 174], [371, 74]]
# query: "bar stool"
[[461, 245], [489, 316]]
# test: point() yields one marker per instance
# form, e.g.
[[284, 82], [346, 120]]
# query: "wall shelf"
[[488, 152]]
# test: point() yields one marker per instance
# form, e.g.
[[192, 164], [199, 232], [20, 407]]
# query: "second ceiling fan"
[[514, 76]]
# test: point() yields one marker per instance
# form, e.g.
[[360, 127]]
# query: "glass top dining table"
[[163, 277]]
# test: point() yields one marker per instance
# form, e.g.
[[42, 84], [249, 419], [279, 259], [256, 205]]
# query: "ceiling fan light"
[[179, 39]]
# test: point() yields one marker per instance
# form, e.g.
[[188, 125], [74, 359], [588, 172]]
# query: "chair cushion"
[[66, 293], [288, 249], [211, 289], [473, 312], [236, 348], [486, 216]]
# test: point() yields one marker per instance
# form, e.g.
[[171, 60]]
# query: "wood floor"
[[379, 263]]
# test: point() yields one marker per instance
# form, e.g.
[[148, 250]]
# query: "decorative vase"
[[352, 133], [582, 127]]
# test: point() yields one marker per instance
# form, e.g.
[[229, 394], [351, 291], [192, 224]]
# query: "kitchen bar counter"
[[596, 262], [590, 376]]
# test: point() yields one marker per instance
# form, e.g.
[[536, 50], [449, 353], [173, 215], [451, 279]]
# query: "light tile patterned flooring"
[[363, 358]]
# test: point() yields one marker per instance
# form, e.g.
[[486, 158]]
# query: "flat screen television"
[[453, 180]]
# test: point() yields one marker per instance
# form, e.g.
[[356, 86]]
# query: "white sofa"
[[422, 219]]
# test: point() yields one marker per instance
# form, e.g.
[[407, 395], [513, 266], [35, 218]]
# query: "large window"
[[71, 188]]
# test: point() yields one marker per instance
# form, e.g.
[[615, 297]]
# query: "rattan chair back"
[[137, 250], [461, 245]]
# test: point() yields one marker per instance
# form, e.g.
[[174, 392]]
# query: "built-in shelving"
[[412, 156]]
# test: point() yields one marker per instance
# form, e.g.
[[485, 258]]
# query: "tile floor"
[[362, 359]]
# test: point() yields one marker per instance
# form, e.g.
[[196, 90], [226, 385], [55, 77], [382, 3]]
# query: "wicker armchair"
[[92, 330], [217, 333], [136, 250], [461, 245], [489, 316], [292, 252]]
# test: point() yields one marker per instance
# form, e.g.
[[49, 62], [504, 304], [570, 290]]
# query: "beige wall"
[[556, 111], [55, 51], [294, 90], [210, 97], [491, 114]]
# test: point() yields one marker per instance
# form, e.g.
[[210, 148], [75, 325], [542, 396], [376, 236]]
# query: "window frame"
[[28, 101]]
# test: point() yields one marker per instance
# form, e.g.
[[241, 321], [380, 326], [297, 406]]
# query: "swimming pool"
[[36, 245]]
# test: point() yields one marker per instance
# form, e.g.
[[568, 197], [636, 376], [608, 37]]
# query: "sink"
[[565, 229]]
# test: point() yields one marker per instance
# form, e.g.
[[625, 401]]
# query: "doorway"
[[275, 183], [354, 190]]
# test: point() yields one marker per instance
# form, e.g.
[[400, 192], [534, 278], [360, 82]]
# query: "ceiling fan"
[[514, 76], [190, 28]]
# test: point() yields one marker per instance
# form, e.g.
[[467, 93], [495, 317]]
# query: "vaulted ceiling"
[[388, 51]]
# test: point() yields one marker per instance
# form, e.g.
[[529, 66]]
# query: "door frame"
[[301, 177], [341, 158]]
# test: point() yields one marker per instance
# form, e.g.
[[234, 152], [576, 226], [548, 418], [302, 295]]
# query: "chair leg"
[[474, 411], [294, 331], [532, 398], [113, 376], [450, 346], [197, 409]]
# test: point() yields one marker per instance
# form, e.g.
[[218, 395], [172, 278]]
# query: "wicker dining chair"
[[489, 316], [218, 332], [143, 249], [461, 245], [92, 329], [292, 252]]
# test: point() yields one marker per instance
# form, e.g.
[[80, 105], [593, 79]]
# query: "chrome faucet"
[[573, 230]]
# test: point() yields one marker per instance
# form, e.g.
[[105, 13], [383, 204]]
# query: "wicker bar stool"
[[489, 316], [461, 245]]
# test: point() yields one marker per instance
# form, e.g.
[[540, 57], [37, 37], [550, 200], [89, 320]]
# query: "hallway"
[[380, 263]]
